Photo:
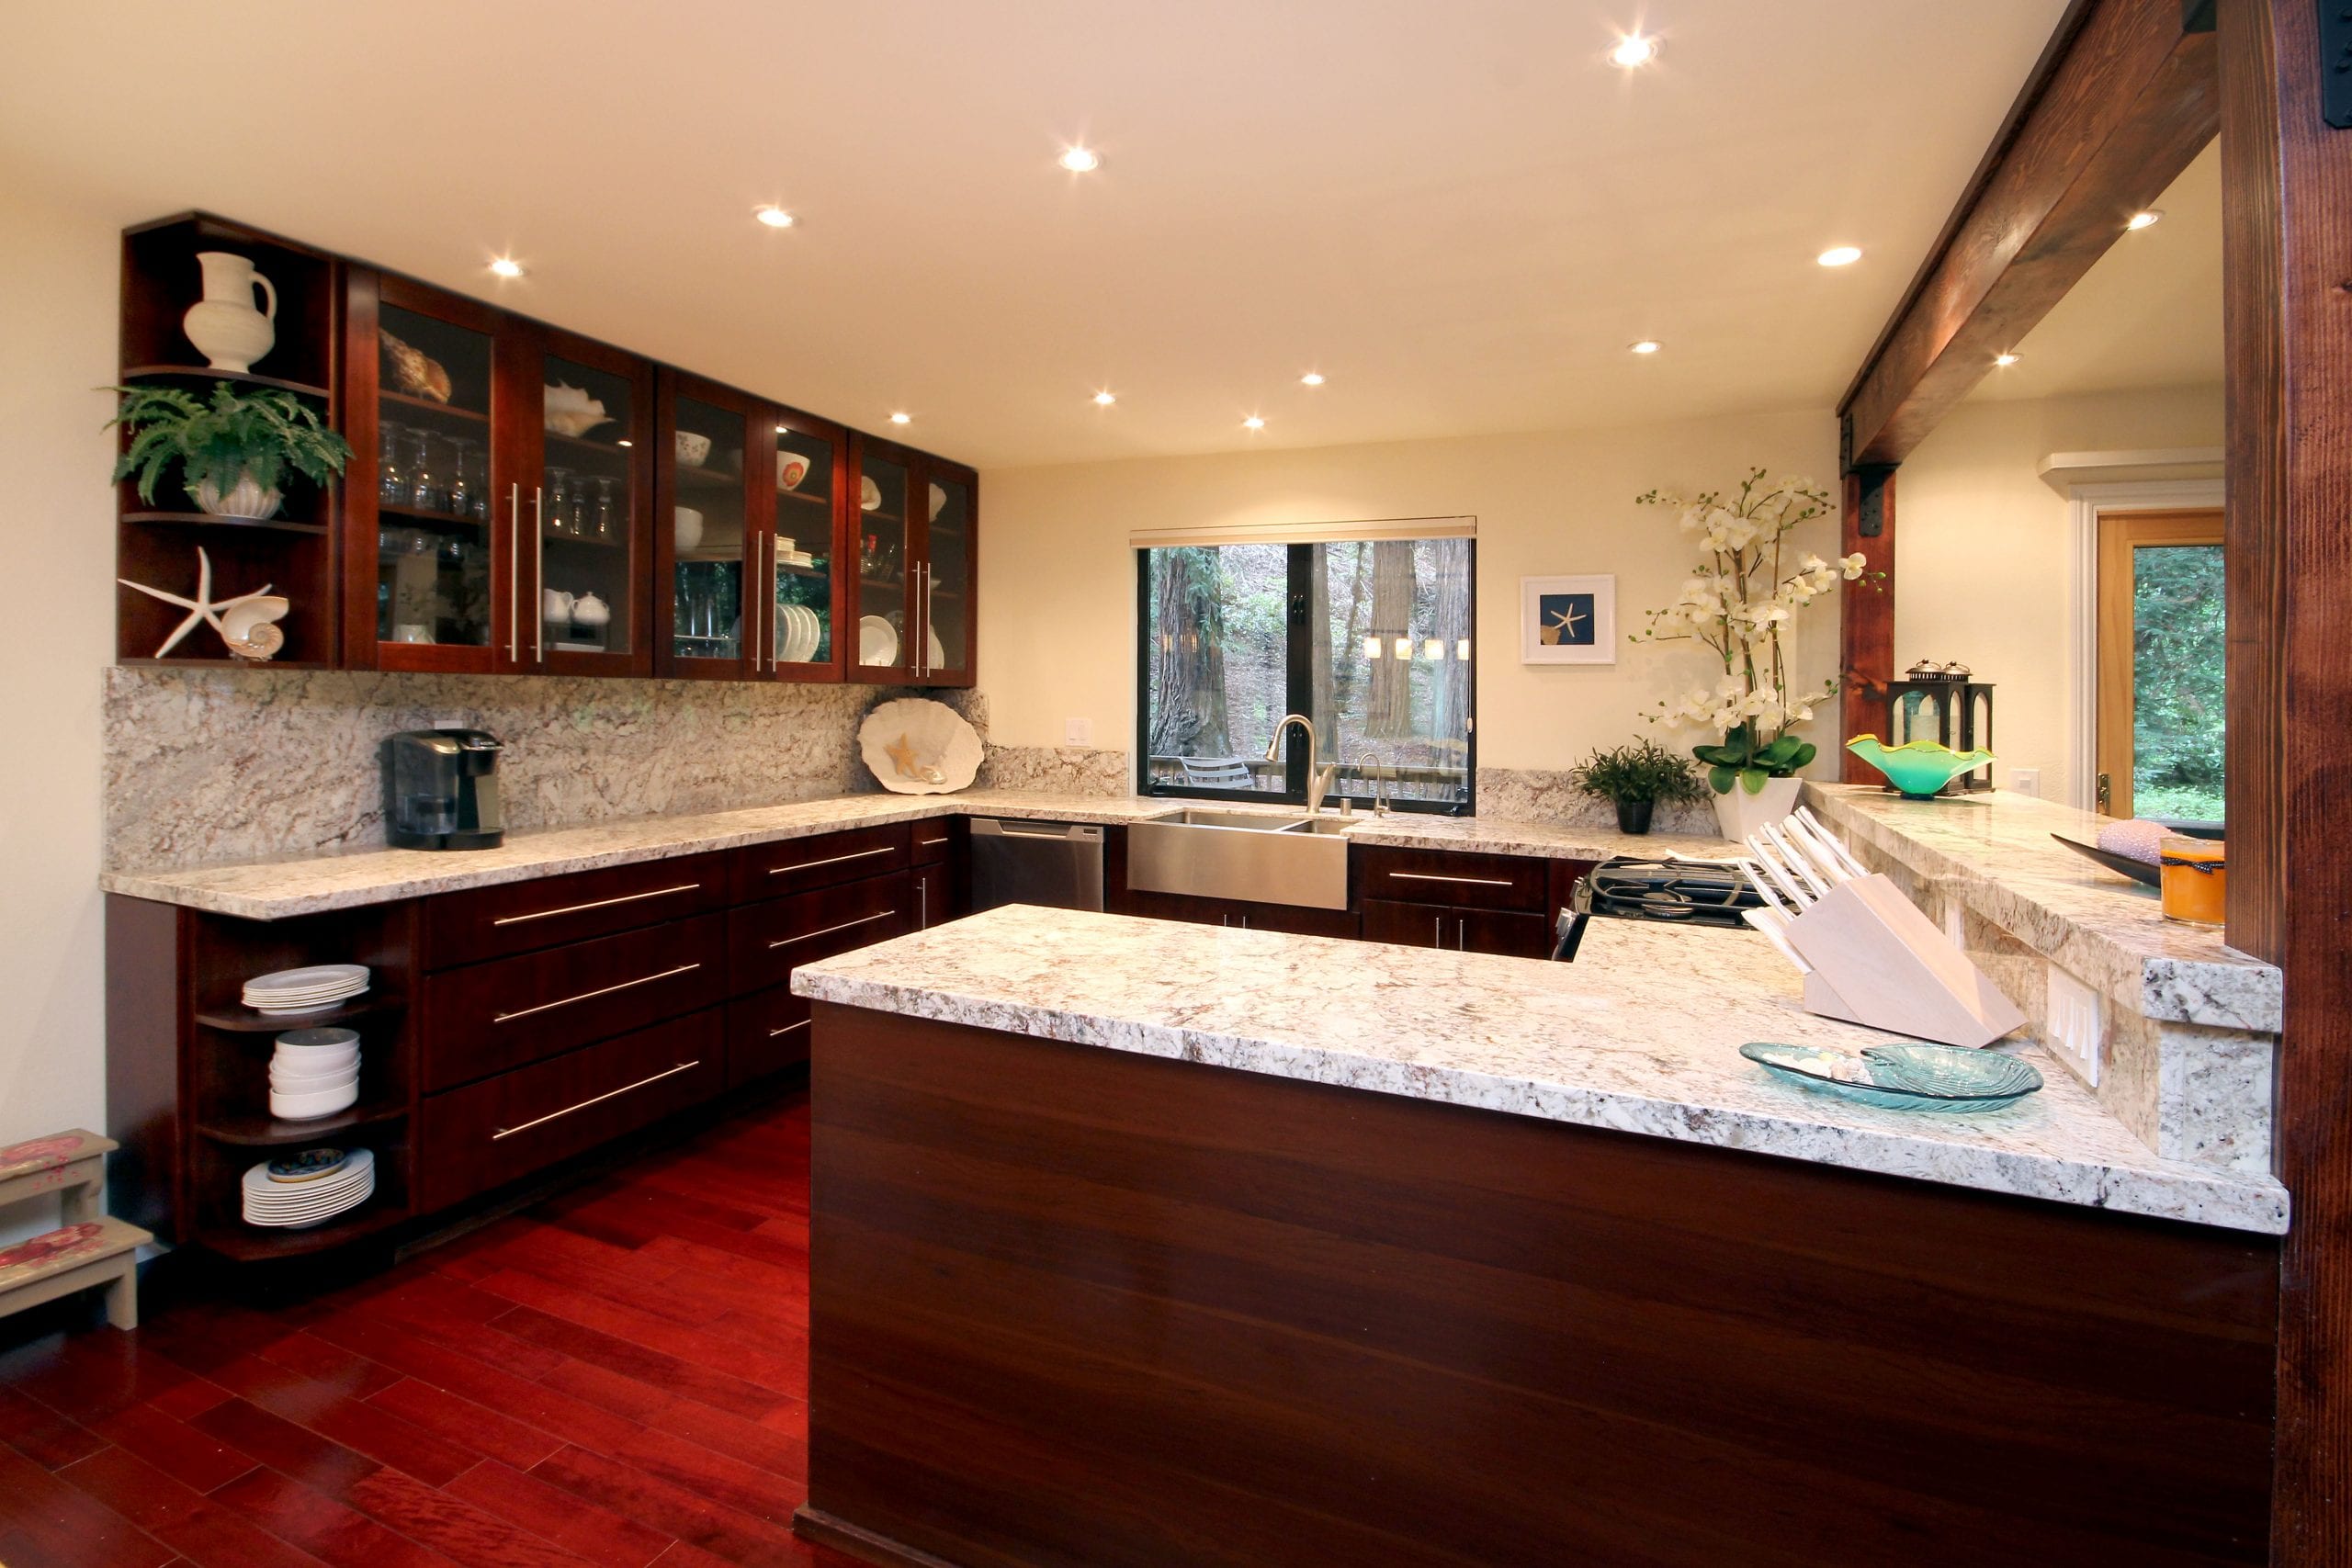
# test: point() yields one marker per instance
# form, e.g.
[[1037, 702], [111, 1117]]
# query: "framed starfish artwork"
[[1568, 620]]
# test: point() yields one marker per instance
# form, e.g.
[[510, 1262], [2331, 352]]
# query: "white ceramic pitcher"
[[224, 325]]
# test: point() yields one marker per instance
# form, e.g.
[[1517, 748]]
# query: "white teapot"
[[590, 611]]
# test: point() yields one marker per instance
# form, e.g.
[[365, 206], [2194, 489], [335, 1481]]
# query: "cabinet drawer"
[[1475, 881], [935, 841], [491, 922], [765, 941], [775, 871], [766, 1033], [490, 1132], [486, 1017], [1452, 926]]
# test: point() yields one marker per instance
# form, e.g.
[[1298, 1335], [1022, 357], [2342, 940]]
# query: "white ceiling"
[[1460, 213], [2147, 314]]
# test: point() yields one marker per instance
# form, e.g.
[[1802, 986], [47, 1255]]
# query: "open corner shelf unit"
[[156, 542]]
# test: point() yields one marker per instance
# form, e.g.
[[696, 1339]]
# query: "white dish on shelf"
[[938, 501], [869, 494], [938, 649], [288, 1107], [287, 1081], [315, 1061], [692, 450], [317, 977], [292, 1205], [812, 634], [304, 1040], [878, 641]]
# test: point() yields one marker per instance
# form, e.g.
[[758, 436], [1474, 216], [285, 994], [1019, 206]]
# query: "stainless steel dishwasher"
[[1058, 864]]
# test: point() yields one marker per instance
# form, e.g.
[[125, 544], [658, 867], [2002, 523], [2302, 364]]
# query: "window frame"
[[1298, 694]]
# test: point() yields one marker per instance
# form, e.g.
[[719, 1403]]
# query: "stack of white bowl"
[[314, 1072]]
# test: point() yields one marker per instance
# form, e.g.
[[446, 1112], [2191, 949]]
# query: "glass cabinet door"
[[713, 532], [880, 646], [946, 582], [435, 506], [583, 511], [804, 627]]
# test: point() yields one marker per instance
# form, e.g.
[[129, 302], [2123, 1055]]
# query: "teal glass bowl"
[[1902, 1078], [1917, 768]]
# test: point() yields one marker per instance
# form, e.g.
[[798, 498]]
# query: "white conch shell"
[[915, 746], [239, 624], [259, 643]]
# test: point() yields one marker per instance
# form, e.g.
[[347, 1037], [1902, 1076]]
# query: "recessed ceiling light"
[[1253, 423], [1633, 50], [1082, 159], [1312, 379], [902, 419], [506, 266], [1840, 256], [772, 215], [2147, 220], [2006, 360], [1647, 345], [1105, 398], [624, 442]]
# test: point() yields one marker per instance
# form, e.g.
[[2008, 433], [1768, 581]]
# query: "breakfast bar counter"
[[1140, 1243]]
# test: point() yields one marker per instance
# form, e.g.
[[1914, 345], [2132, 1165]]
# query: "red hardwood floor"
[[614, 1376]]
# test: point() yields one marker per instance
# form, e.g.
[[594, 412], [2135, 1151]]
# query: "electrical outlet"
[[2025, 780], [448, 721], [1077, 732], [2078, 1021]]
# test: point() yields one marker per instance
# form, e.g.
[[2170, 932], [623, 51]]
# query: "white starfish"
[[201, 610], [1565, 620]]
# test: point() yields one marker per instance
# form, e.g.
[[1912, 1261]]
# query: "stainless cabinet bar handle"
[[922, 903], [599, 904], [1437, 931], [789, 1028], [541, 1120], [602, 991], [929, 599], [931, 843], [767, 605], [847, 925], [1462, 935], [830, 860], [539, 574], [844, 926], [513, 573], [1464, 881]]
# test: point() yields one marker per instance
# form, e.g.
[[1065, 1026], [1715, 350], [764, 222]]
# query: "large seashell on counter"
[[413, 371], [915, 746]]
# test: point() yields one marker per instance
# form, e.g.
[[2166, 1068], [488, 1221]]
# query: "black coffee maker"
[[441, 790]]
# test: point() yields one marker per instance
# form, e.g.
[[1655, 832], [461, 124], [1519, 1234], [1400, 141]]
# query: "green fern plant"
[[261, 433]]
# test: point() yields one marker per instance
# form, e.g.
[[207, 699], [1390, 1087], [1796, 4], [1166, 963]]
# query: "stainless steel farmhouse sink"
[[1234, 855]]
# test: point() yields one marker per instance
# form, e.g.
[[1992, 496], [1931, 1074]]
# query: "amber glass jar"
[[2196, 878]]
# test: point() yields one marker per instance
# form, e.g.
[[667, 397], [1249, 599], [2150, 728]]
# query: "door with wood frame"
[[583, 428], [2161, 649], [885, 613], [713, 526], [947, 583]]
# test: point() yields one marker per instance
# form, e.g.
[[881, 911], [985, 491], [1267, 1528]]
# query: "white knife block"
[[1877, 961]]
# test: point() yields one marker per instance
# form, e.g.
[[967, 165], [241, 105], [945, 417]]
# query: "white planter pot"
[[248, 500], [1739, 813]]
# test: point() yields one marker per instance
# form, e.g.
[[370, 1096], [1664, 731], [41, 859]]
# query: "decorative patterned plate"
[[308, 1166], [1903, 1078]]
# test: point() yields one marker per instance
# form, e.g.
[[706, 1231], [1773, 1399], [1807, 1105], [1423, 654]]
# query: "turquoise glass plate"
[[1902, 1078]]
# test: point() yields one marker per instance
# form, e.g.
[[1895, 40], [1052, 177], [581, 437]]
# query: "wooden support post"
[[1866, 614], [2287, 273]]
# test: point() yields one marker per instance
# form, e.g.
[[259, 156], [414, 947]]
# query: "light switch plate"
[[2025, 780], [1077, 732], [2077, 1019]]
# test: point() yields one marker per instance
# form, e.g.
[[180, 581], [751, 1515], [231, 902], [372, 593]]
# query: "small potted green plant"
[[1637, 777], [232, 450]]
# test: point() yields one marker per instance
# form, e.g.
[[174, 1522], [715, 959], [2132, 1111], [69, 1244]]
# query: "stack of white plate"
[[313, 1072], [799, 631], [309, 1187], [306, 990]]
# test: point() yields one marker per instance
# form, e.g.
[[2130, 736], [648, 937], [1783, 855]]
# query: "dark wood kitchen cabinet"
[[523, 499]]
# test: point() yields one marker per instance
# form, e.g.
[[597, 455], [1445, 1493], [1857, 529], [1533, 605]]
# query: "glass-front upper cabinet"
[[588, 509], [946, 579], [714, 529], [433, 572], [809, 609], [881, 645]]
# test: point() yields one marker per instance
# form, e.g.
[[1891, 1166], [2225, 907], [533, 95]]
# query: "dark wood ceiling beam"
[[2126, 96]]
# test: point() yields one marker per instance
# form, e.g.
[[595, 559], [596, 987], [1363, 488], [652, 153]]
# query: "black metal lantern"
[[1943, 703]]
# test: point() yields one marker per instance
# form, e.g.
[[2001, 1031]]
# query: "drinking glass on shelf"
[[578, 515], [461, 478], [558, 497], [604, 509], [424, 489], [391, 474]]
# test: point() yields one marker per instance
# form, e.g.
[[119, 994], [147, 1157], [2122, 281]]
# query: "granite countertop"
[[278, 889], [1994, 852], [1640, 1036]]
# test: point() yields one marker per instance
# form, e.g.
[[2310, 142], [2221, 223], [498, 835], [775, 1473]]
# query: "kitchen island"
[[1137, 1243]]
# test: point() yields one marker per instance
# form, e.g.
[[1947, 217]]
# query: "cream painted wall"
[[57, 341], [1986, 561], [1058, 633]]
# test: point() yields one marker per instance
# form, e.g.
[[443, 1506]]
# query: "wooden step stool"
[[90, 1248]]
